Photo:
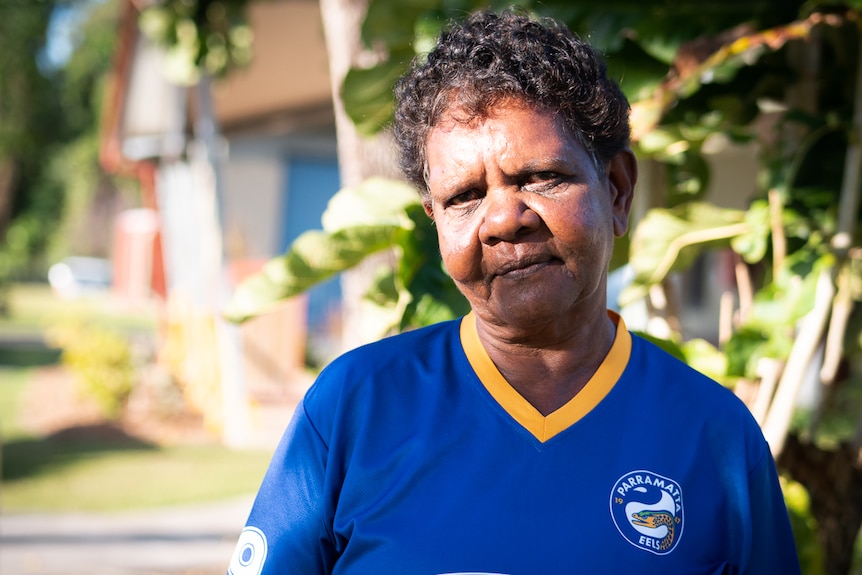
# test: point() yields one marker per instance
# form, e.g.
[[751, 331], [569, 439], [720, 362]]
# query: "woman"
[[535, 435]]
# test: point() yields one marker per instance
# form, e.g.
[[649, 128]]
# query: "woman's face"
[[525, 220]]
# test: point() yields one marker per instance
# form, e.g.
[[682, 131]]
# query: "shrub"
[[102, 362]]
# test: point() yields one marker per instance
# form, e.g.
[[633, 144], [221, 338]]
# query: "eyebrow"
[[451, 185], [547, 164], [553, 163]]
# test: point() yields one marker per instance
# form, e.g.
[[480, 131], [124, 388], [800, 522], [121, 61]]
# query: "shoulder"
[[393, 352], [694, 400], [392, 369], [655, 366]]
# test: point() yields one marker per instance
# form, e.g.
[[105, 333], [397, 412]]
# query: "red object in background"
[[138, 272]]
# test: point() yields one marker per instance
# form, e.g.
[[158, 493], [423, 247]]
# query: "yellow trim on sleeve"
[[546, 427]]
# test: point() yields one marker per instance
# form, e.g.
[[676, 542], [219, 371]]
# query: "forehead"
[[506, 110], [509, 135]]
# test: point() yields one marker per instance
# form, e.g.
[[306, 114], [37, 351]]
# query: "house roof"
[[287, 81]]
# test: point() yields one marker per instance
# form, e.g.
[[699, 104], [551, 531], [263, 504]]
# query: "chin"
[[526, 314]]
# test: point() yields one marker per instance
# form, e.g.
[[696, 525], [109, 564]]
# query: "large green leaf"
[[660, 143], [374, 202], [357, 223], [367, 92], [394, 22], [707, 359], [753, 243], [314, 257], [670, 240], [744, 349], [784, 301], [637, 72]]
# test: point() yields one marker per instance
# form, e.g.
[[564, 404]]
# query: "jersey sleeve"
[[286, 532], [772, 546]]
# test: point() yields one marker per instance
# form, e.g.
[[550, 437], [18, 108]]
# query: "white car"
[[75, 276]]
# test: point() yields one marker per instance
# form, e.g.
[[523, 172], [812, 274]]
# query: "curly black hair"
[[493, 57]]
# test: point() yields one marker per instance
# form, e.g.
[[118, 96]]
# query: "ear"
[[622, 173], [426, 203]]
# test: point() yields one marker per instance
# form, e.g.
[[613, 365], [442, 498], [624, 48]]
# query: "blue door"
[[310, 183]]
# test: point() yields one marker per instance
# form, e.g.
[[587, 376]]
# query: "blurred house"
[[234, 171]]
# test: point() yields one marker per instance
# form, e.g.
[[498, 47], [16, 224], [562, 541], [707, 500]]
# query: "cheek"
[[461, 256], [455, 260], [585, 236]]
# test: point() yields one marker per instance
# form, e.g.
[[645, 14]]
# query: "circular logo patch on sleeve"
[[250, 553], [647, 509]]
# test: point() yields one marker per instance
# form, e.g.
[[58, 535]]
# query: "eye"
[[547, 176], [463, 198], [541, 181]]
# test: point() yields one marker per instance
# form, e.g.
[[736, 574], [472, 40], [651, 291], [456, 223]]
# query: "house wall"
[[265, 206], [734, 171], [256, 191], [252, 202], [273, 113]]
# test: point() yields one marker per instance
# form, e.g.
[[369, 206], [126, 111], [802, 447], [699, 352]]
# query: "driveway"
[[188, 540]]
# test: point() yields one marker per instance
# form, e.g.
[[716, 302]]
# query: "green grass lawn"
[[98, 478], [104, 470], [34, 308], [111, 472], [13, 381]]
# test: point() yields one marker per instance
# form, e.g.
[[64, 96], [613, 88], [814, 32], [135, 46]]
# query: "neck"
[[549, 365]]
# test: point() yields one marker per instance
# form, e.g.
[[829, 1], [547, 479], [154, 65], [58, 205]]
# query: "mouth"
[[526, 266]]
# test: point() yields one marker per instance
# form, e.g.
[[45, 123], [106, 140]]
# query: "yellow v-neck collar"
[[546, 427]]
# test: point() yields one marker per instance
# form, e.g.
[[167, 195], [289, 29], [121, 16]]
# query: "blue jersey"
[[414, 456]]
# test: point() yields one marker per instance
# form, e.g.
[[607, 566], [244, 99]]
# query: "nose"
[[507, 217]]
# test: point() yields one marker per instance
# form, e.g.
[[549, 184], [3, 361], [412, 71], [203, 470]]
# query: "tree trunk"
[[359, 158], [834, 484]]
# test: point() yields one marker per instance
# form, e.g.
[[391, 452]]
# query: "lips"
[[525, 265]]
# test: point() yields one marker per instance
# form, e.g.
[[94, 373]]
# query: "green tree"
[[49, 129], [206, 36], [797, 245], [30, 124], [90, 195]]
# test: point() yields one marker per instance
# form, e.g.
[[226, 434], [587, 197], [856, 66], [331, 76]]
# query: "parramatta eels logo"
[[647, 510]]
